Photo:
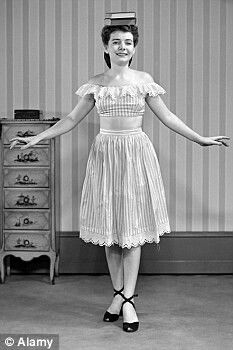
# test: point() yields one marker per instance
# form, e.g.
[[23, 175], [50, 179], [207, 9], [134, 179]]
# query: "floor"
[[176, 312]]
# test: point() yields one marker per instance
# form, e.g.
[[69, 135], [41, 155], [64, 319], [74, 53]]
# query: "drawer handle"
[[32, 156], [26, 221], [26, 133], [25, 180], [25, 243], [25, 200]]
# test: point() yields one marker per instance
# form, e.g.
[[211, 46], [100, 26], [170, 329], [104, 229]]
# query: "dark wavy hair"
[[109, 29]]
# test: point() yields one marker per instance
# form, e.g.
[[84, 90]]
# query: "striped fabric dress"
[[123, 200]]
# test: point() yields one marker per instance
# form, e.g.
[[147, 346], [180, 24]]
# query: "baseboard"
[[180, 253]]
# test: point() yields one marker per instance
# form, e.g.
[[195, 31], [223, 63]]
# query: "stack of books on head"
[[120, 18]]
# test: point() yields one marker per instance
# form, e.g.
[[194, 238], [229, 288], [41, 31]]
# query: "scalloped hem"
[[140, 241]]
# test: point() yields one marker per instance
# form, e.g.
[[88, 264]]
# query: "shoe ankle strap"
[[128, 300], [116, 292]]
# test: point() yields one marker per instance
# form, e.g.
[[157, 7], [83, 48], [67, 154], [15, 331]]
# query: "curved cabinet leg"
[[52, 267], [2, 267], [57, 265]]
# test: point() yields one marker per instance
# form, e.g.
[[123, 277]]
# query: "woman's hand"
[[214, 140], [27, 141]]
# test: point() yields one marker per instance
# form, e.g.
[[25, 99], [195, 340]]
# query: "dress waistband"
[[121, 132]]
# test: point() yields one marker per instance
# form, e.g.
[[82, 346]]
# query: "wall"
[[49, 48]]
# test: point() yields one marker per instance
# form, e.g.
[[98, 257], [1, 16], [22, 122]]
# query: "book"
[[120, 21], [118, 15]]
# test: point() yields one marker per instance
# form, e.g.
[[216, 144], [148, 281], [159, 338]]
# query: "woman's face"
[[120, 47]]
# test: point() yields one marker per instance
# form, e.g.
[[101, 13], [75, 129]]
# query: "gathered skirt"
[[123, 200]]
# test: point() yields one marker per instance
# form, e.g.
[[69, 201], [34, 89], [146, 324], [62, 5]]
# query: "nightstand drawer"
[[36, 156], [26, 220], [32, 241], [25, 130], [26, 177], [26, 198]]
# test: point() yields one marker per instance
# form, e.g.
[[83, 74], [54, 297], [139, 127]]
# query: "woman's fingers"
[[17, 140], [216, 140], [20, 139], [221, 140], [222, 137], [14, 143]]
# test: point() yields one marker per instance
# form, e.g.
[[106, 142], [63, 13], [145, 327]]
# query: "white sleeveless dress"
[[123, 199]]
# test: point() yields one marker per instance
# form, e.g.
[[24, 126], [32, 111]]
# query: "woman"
[[123, 202]]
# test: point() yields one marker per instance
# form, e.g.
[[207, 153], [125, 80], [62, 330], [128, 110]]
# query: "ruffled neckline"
[[100, 91], [117, 86]]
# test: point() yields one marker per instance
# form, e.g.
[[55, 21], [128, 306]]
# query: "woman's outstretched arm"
[[169, 119], [63, 126]]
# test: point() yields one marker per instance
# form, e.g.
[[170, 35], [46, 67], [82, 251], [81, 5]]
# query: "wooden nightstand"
[[27, 192]]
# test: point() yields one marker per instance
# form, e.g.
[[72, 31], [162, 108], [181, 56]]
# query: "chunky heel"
[[108, 317]]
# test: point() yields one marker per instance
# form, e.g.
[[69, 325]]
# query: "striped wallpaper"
[[50, 47]]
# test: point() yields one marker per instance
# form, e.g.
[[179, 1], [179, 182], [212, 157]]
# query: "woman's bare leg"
[[131, 262], [114, 256]]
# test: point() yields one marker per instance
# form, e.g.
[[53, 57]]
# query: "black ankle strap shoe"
[[108, 317], [130, 326]]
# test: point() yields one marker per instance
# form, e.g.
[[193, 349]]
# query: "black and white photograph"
[[116, 190]]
